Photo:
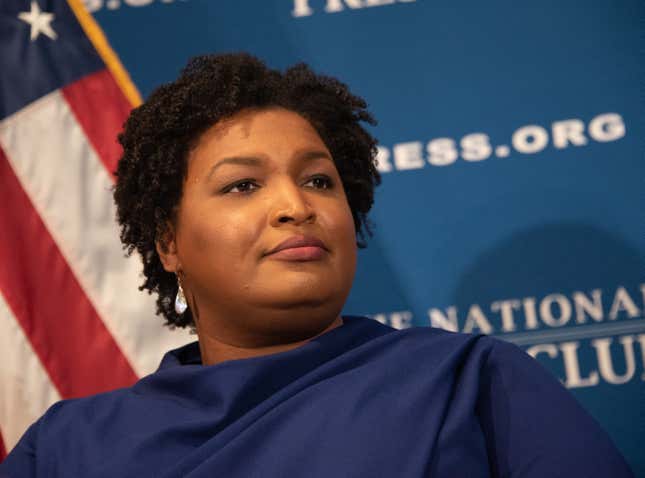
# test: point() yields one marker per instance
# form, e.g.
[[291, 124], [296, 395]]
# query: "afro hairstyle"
[[159, 135]]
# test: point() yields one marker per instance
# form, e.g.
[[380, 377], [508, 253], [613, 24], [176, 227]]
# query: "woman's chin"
[[299, 298]]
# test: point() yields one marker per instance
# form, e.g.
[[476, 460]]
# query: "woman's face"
[[254, 181]]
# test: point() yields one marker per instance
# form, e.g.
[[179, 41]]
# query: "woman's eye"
[[241, 187], [320, 182]]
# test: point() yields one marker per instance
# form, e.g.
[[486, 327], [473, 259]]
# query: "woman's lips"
[[302, 253], [299, 248]]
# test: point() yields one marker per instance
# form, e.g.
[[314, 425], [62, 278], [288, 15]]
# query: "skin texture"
[[245, 301]]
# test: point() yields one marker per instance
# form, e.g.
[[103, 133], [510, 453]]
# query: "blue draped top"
[[362, 400]]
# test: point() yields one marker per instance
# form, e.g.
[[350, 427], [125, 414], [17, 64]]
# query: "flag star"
[[40, 22]]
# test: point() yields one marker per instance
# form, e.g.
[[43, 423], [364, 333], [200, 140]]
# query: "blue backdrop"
[[511, 146]]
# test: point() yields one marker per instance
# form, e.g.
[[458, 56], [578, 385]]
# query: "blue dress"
[[362, 400]]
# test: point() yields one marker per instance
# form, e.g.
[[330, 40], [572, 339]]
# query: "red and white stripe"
[[72, 320], [24, 376]]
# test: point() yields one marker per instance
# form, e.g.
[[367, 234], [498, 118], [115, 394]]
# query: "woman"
[[244, 190]]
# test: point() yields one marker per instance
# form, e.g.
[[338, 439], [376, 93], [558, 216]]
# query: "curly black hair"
[[158, 136]]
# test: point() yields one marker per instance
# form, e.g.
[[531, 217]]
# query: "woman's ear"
[[166, 246]]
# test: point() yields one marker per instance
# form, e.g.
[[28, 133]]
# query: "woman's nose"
[[290, 205]]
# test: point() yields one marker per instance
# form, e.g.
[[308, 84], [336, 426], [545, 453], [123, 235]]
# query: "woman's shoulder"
[[527, 417], [431, 342], [50, 436], [66, 415]]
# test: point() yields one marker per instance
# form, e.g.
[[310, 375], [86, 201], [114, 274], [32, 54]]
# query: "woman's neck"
[[214, 350]]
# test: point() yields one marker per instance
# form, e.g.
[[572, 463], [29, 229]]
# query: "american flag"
[[72, 320]]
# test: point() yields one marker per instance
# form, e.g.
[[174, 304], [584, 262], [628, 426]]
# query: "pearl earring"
[[180, 300]]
